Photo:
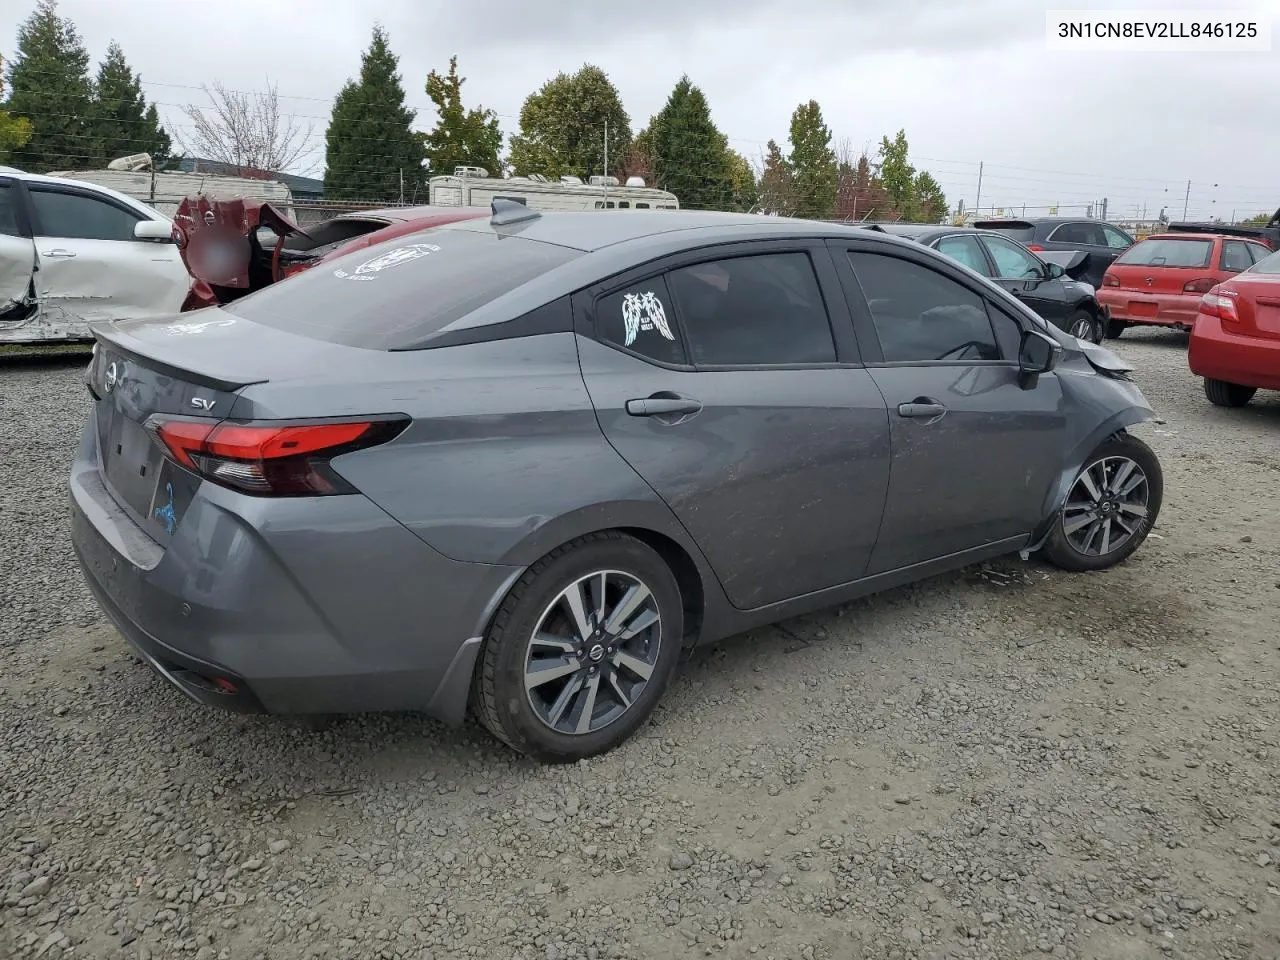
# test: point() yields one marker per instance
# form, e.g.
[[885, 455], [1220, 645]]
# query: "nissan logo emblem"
[[114, 374]]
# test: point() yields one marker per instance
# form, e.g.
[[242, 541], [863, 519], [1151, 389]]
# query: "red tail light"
[[1222, 307], [280, 459], [1203, 285], [1110, 280], [1035, 248]]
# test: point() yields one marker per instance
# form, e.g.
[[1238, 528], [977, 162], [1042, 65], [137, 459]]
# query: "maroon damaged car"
[[233, 247]]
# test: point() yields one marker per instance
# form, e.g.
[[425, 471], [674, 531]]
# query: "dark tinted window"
[[1087, 234], [966, 250], [9, 211], [1168, 252], [1008, 331], [79, 217], [753, 310], [1116, 239], [639, 318], [920, 314], [1019, 230], [393, 295], [1258, 251], [1235, 256]]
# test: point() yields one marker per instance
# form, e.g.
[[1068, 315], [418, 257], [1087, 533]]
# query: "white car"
[[72, 253]]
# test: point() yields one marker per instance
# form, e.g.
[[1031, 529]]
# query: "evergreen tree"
[[742, 179], [49, 86], [690, 155], [777, 186], [562, 127], [14, 131], [929, 203], [896, 173], [124, 123], [461, 137], [370, 145], [813, 163]]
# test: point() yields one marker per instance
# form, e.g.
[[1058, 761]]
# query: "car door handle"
[[663, 407], [921, 408], [58, 253]]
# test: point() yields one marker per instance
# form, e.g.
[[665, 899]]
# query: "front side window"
[[753, 310], [1258, 251], [640, 319], [922, 315], [76, 216], [966, 250], [1116, 239], [1012, 261], [1235, 256]]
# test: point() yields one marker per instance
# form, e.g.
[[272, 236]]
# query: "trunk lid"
[[1257, 302], [221, 243], [193, 367]]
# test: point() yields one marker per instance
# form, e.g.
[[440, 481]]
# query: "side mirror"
[[1038, 353], [152, 230], [1056, 271]]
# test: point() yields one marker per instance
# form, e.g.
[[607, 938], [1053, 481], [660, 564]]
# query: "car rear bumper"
[[290, 606], [1141, 308], [1217, 354]]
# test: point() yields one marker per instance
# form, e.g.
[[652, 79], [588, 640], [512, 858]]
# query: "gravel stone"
[[1040, 725]]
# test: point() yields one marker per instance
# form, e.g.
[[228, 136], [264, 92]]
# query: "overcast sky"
[[969, 80]]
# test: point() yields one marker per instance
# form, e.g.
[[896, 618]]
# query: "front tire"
[[1111, 507], [1223, 394], [1084, 326], [1115, 328], [581, 649]]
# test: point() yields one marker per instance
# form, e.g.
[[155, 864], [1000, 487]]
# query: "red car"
[[1235, 344], [233, 247], [1159, 281]]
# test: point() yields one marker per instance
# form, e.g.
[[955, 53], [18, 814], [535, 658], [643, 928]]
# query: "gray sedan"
[[515, 466]]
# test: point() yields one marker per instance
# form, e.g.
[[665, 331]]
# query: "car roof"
[[915, 231], [124, 198], [594, 230]]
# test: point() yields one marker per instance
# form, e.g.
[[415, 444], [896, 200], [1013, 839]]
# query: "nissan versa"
[[515, 465]]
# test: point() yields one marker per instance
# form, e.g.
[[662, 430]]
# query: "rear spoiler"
[[1269, 232]]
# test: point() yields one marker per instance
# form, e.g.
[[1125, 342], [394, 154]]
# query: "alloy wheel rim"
[[1082, 329], [1107, 506], [593, 652]]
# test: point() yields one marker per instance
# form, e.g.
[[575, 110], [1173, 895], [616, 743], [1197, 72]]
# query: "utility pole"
[[1186, 200], [606, 164], [977, 204], [1104, 209], [402, 186]]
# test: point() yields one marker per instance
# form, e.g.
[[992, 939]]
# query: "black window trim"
[[829, 286], [864, 324], [75, 191]]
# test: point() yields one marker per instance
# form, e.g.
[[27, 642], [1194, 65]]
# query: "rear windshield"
[[1268, 265], [1168, 252], [1022, 232], [394, 294]]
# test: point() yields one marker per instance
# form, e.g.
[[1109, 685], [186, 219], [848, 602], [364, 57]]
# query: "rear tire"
[[581, 649], [1115, 328], [1223, 394], [1111, 507]]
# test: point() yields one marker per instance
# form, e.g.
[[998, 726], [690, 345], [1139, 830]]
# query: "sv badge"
[[203, 403]]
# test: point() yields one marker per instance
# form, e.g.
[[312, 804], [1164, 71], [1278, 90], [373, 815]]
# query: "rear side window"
[[753, 310], [640, 319], [1022, 232], [1258, 251], [921, 315], [1235, 256], [1084, 233], [1268, 265], [393, 295], [9, 211], [1168, 252]]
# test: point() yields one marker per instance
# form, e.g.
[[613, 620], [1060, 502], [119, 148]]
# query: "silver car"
[[517, 465]]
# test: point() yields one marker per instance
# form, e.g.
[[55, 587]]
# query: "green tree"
[[461, 137], [49, 86], [690, 155], [896, 174], [562, 127], [777, 186], [813, 163], [370, 146], [742, 180], [929, 203], [14, 131], [1258, 220], [123, 122]]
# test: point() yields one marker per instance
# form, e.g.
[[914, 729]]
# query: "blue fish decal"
[[165, 514]]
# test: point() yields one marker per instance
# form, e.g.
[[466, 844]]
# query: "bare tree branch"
[[244, 130]]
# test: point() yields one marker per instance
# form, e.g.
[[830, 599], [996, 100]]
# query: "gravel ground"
[[1006, 762]]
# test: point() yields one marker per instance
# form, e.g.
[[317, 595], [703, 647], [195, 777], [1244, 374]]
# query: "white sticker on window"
[[642, 312], [392, 258]]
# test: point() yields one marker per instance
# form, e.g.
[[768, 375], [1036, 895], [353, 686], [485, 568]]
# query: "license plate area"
[[1143, 308], [131, 462]]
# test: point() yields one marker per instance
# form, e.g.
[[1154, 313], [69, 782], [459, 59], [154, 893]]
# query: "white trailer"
[[473, 187]]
